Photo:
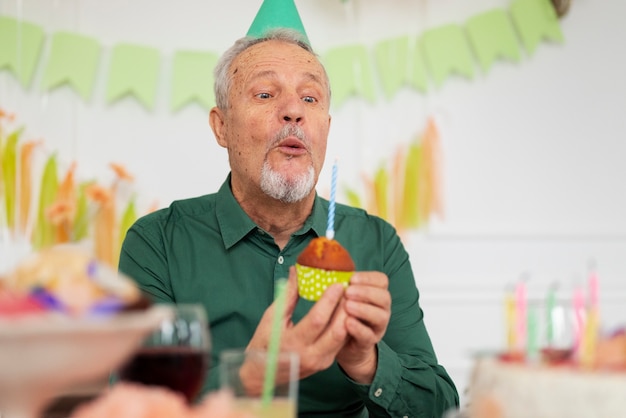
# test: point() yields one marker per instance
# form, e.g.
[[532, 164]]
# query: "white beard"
[[279, 187]]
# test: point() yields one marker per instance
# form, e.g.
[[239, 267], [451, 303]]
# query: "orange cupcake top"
[[327, 254]]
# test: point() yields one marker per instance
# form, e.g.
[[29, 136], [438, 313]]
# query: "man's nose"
[[293, 109]]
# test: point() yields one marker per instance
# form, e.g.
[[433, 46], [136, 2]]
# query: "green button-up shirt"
[[207, 250]]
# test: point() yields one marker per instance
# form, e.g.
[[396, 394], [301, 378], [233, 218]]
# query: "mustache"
[[287, 131]]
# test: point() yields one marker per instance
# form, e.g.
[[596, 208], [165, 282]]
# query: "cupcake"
[[322, 263]]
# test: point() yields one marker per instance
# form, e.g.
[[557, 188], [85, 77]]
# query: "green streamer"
[[535, 20], [43, 234], [73, 60], [350, 73], [135, 71], [492, 36], [20, 46], [192, 79], [411, 196], [8, 164]]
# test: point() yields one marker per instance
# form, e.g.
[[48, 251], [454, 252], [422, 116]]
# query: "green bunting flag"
[[192, 79], [350, 73], [73, 60], [392, 58], [492, 36], [535, 20], [20, 46], [418, 70], [134, 70], [447, 52]]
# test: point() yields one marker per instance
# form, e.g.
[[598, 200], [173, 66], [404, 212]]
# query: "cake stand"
[[43, 355]]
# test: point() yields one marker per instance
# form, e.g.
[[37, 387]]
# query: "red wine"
[[181, 369]]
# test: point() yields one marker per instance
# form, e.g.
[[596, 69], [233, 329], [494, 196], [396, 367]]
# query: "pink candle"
[[579, 315]]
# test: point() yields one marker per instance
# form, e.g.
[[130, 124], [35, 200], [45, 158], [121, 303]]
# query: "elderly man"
[[364, 351]]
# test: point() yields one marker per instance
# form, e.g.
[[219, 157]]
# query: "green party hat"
[[277, 14]]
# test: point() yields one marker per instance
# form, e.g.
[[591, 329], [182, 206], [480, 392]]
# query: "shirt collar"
[[235, 224]]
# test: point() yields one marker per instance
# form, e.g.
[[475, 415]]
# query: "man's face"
[[277, 116]]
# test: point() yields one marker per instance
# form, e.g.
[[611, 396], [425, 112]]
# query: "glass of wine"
[[176, 355]]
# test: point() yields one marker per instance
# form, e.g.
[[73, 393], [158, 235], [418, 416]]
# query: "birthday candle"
[[330, 229], [579, 314], [550, 302], [594, 293], [520, 305], [511, 330]]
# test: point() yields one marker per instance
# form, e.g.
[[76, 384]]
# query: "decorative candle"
[[511, 330], [579, 315], [550, 303], [520, 307], [330, 229]]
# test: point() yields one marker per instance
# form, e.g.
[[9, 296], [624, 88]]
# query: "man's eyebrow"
[[272, 74]]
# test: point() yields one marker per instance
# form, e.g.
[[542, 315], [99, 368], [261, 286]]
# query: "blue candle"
[[330, 229]]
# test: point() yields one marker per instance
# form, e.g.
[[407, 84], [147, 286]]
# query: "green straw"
[[274, 344]]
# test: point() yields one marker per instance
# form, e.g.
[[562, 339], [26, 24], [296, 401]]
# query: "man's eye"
[[264, 95], [309, 99]]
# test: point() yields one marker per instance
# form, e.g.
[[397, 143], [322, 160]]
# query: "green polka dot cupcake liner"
[[312, 282]]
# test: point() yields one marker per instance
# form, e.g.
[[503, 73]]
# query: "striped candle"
[[330, 229]]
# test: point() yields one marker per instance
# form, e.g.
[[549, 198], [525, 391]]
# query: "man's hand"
[[368, 308], [317, 337]]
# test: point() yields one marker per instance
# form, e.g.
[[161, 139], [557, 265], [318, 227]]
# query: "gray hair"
[[223, 79]]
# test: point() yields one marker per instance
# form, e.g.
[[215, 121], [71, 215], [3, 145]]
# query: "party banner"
[[400, 63], [73, 60], [355, 70], [20, 45], [447, 52], [492, 36], [350, 73], [535, 20], [192, 79], [134, 71]]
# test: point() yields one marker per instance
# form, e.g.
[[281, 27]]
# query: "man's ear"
[[216, 120]]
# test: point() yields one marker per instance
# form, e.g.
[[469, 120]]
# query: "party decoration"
[[73, 60], [414, 179], [492, 36], [393, 59], [350, 73], [66, 209], [20, 45], [277, 14], [535, 20], [134, 70], [413, 61], [447, 52], [192, 79], [330, 228]]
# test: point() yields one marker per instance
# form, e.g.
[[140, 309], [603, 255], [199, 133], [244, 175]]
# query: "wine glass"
[[176, 355]]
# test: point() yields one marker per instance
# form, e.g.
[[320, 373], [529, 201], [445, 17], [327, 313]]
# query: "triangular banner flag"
[[535, 20], [492, 35], [192, 79], [20, 46], [276, 14], [134, 70], [349, 67], [73, 60], [447, 52]]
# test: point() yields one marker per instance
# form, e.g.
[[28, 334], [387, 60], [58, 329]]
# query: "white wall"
[[533, 152]]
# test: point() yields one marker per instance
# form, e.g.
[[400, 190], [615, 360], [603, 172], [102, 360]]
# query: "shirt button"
[[281, 260], [378, 392]]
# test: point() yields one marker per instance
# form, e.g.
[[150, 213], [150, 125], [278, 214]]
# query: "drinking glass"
[[176, 355], [281, 401]]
